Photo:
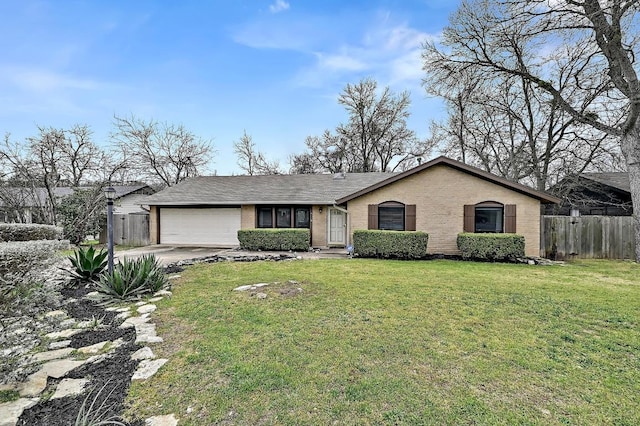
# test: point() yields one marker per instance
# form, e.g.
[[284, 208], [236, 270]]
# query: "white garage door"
[[205, 226]]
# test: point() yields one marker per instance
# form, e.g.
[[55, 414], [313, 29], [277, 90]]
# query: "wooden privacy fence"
[[587, 237], [129, 229]]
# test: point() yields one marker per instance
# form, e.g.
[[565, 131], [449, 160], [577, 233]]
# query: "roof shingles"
[[267, 189]]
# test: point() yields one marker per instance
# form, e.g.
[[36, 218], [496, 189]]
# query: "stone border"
[[59, 360]]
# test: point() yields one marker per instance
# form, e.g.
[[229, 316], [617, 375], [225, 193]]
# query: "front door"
[[337, 227]]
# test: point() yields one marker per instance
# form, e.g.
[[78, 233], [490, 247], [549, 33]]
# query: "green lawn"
[[392, 342]]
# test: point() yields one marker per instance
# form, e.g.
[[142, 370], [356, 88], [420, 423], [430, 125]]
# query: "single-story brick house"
[[442, 197]]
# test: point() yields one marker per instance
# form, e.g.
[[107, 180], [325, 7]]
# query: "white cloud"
[[343, 49], [278, 6], [36, 80], [390, 53]]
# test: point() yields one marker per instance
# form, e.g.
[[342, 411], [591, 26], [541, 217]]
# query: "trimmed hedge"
[[29, 232], [275, 239], [491, 246], [390, 244], [20, 257]]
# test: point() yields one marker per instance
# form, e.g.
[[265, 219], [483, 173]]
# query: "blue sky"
[[271, 67]]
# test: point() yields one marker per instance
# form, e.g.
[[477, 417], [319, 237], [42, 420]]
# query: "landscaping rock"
[[250, 287], [37, 382], [133, 321], [168, 420], [123, 315], [148, 368], [10, 412], [49, 355], [60, 344], [146, 309], [93, 349], [261, 295], [146, 333], [68, 323], [143, 353], [56, 335], [56, 314], [243, 288], [68, 387]]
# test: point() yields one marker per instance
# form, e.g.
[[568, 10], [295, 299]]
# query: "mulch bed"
[[109, 379]]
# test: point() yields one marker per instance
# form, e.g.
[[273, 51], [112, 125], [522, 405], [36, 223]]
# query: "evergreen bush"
[[491, 246], [390, 244], [275, 239], [29, 232]]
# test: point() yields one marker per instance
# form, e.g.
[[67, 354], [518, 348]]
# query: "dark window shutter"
[[469, 224], [510, 218], [373, 216], [410, 217]]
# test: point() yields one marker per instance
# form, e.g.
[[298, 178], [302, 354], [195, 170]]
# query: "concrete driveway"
[[171, 254], [167, 254]]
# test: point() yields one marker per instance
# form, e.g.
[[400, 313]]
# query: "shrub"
[[274, 239], [132, 279], [19, 257], [491, 246], [87, 263], [22, 264], [390, 244], [29, 232], [82, 213]]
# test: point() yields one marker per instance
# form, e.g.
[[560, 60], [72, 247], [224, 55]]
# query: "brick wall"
[[153, 225], [440, 193], [248, 217]]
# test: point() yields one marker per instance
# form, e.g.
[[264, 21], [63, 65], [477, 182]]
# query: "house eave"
[[541, 196], [240, 202]]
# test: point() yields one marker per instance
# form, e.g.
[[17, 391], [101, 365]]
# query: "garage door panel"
[[206, 226]]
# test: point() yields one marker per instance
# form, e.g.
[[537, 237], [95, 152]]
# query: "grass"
[[392, 342], [8, 396]]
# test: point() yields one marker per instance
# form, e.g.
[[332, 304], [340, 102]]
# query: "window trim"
[[391, 205], [409, 219], [509, 222], [293, 209]]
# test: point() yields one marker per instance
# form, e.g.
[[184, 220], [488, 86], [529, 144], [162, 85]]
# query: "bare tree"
[[251, 161], [53, 158], [375, 137], [161, 152], [605, 32], [507, 126]]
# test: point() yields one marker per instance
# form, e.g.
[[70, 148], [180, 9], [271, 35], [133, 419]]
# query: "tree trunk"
[[631, 151]]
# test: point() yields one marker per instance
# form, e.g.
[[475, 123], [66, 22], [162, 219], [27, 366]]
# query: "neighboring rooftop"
[[618, 180]]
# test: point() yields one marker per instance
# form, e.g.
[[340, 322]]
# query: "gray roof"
[[267, 189], [618, 180]]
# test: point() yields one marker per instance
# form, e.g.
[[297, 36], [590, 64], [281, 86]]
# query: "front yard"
[[392, 342]]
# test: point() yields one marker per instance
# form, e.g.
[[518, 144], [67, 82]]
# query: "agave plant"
[[88, 263], [132, 279]]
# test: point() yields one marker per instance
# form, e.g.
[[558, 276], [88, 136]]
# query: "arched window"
[[392, 216], [490, 216]]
